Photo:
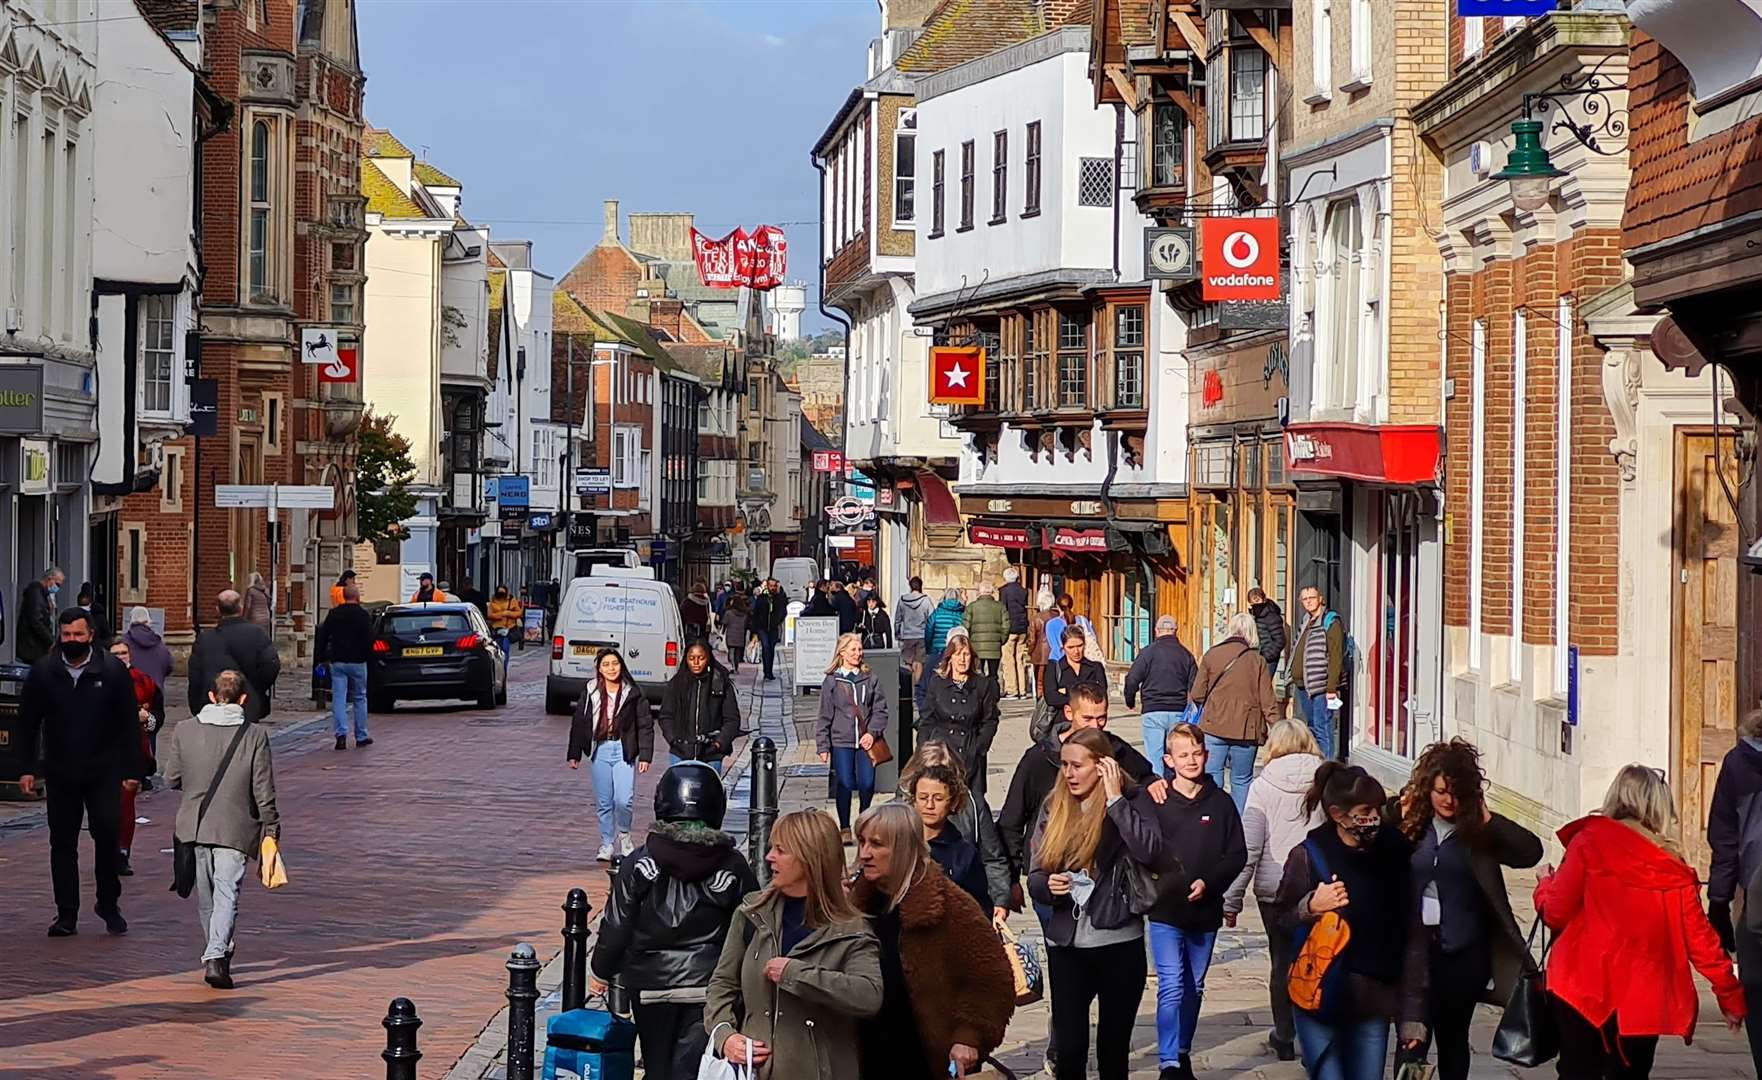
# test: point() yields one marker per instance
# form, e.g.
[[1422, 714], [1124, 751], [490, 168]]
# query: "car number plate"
[[581, 649], [423, 650], [12, 687]]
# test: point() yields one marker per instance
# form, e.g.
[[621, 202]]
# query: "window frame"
[[167, 324], [1321, 52], [260, 210], [1363, 53], [1155, 160], [938, 192], [1032, 166], [968, 158], [1072, 362], [348, 304], [1121, 349], [905, 180], [999, 177]]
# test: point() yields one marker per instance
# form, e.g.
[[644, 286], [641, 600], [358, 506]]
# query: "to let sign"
[[957, 375], [1240, 258], [21, 399]]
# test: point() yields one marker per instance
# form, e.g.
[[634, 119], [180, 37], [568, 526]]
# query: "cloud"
[[774, 41]]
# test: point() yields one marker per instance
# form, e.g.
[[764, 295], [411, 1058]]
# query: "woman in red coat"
[[150, 703], [1626, 910]]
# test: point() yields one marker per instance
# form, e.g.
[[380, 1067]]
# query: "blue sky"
[[544, 108]]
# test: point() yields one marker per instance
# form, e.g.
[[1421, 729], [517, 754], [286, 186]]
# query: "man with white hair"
[[1014, 664], [1163, 672]]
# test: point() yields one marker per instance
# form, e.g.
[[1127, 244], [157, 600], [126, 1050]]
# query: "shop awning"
[[939, 505], [1003, 536], [1374, 453], [1087, 541]]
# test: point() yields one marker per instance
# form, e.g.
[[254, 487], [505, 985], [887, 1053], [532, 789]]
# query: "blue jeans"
[[1238, 758], [1182, 958], [614, 789], [505, 637], [348, 689], [851, 772], [1156, 733], [1352, 1050], [1314, 710]]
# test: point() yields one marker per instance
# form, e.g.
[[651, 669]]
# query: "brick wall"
[[1416, 279], [606, 278]]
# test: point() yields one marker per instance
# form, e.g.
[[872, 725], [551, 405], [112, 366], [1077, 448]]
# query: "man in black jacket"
[[664, 924], [80, 717], [236, 644], [1164, 671], [699, 714], [770, 609], [842, 606], [36, 616], [1737, 850], [345, 644]]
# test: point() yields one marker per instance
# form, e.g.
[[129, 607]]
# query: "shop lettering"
[[1085, 507], [17, 399], [1242, 280], [1306, 448], [999, 506]]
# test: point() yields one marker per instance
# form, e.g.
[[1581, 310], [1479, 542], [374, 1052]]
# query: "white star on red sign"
[[957, 376]]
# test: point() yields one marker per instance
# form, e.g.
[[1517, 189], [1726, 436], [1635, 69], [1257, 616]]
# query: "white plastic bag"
[[712, 1066]]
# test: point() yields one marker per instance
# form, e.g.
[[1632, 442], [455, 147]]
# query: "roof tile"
[[432, 176], [384, 197], [962, 30], [376, 142]]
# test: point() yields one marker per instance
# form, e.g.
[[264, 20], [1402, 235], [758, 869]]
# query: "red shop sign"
[[1380, 453], [997, 536], [1084, 540]]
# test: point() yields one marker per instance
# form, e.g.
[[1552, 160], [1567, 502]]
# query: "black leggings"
[[1114, 974], [1589, 1053], [1458, 981], [673, 1039]]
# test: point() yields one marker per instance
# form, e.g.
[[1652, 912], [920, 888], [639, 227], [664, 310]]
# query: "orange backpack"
[[1316, 978]]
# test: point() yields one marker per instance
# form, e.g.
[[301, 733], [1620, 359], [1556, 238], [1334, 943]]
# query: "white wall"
[[465, 289], [143, 157], [402, 334]]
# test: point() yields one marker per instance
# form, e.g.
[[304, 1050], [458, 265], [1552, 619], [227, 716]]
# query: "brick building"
[[622, 385]]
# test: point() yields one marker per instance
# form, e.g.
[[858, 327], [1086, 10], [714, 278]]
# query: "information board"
[[815, 638], [532, 625]]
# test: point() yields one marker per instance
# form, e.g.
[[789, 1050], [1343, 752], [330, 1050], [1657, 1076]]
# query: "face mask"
[[54, 590], [1366, 831], [76, 651]]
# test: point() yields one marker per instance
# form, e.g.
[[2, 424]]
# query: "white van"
[[585, 559], [632, 613], [796, 576]]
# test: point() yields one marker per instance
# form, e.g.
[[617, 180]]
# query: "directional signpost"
[[274, 498]]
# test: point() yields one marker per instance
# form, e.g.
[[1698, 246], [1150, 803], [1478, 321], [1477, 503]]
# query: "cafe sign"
[[21, 399]]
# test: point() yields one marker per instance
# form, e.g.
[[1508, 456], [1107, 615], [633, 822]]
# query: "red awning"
[[1376, 453], [1079, 540], [1002, 536], [939, 505]]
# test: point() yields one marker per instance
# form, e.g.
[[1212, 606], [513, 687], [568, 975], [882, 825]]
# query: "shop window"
[[1073, 361], [1281, 586]]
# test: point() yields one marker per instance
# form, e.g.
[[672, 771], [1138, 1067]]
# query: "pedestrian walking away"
[[222, 763], [345, 645], [1235, 693], [735, 615], [700, 717], [946, 988], [1358, 866], [1318, 669], [819, 603], [770, 609], [665, 922], [146, 648], [1275, 821], [471, 594], [1089, 835], [1269, 620], [694, 612], [259, 605], [911, 625], [844, 606], [234, 644], [342, 582], [1039, 655], [1629, 932], [875, 627], [1163, 673], [853, 714], [1203, 853], [960, 708], [612, 728], [953, 804], [36, 616], [82, 730], [1734, 835], [1014, 664], [151, 711], [987, 623], [800, 970]]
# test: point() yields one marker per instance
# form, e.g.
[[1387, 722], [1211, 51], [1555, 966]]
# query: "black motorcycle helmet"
[[691, 791]]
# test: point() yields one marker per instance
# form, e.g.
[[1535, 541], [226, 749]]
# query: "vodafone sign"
[[1240, 258]]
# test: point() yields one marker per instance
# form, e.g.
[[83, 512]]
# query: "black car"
[[430, 651]]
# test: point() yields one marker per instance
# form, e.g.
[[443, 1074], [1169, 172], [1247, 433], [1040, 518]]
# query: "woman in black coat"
[[699, 714], [876, 627], [960, 708]]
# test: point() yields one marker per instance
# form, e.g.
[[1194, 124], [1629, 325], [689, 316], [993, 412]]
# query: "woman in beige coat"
[[800, 966]]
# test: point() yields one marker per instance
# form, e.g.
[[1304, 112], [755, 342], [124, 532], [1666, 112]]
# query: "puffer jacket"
[[948, 615], [848, 707], [911, 617], [1269, 620], [668, 914], [1273, 822], [812, 1016], [699, 714], [964, 715], [988, 623]]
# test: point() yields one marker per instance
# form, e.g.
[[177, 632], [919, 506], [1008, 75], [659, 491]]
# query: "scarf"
[[221, 715]]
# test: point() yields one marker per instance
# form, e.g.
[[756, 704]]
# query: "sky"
[[542, 109]]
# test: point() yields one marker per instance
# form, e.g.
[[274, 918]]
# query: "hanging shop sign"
[[346, 367], [593, 480], [757, 260], [1240, 258], [1002, 536], [957, 375], [21, 399], [1168, 254], [828, 461], [1385, 453], [33, 467], [1078, 540]]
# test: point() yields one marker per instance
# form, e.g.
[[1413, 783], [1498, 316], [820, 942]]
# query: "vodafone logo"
[[1244, 253], [1241, 250]]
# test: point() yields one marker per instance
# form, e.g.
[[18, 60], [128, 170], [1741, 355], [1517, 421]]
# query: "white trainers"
[[625, 846], [605, 854]]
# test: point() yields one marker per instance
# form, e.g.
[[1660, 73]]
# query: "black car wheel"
[[379, 703], [556, 705]]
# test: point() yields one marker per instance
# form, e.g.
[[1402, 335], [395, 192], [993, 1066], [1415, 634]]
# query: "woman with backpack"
[[853, 714], [1626, 911], [1091, 840], [1234, 691], [1351, 879], [1473, 939]]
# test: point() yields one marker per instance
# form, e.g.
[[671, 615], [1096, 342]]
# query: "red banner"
[[758, 260], [997, 536], [1089, 540]]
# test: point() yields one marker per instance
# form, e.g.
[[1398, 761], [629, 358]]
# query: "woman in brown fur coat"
[[947, 991]]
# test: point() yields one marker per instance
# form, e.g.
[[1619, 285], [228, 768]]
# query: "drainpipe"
[[1119, 159]]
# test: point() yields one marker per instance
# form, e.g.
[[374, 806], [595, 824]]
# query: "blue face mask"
[[54, 590]]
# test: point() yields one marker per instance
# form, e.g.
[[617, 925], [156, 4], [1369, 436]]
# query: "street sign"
[[280, 496]]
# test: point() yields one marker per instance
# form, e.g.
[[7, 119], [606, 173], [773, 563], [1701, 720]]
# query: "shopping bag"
[[270, 867], [712, 1066], [1024, 966], [1527, 1035]]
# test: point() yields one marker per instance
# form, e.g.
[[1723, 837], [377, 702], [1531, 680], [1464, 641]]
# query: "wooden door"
[[1704, 656]]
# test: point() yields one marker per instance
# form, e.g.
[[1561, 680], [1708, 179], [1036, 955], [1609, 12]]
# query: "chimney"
[[610, 236], [667, 313]]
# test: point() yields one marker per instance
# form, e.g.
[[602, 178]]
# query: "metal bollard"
[[575, 912], [400, 1052], [762, 806], [523, 969]]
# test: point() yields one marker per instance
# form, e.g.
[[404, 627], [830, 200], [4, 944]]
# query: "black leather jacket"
[[670, 908]]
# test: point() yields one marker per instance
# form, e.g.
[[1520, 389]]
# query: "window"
[[992, 342], [1361, 44], [905, 168], [967, 184], [937, 217], [171, 481], [272, 421], [158, 353], [1073, 360], [999, 176], [46, 299], [1168, 145], [21, 186], [1321, 49], [626, 443], [1128, 357], [1031, 200], [342, 304], [1095, 181], [342, 257], [1247, 92], [1034, 349], [133, 586], [69, 244], [1341, 302], [1477, 489], [1473, 38], [258, 255]]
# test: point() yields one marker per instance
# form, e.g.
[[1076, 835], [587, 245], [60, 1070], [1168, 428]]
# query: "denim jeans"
[[1182, 958], [1351, 1050], [1156, 733], [218, 873], [1314, 710], [505, 637], [1236, 758], [348, 690], [768, 651], [614, 789], [852, 771]]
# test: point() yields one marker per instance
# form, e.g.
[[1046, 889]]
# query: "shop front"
[[1369, 535]]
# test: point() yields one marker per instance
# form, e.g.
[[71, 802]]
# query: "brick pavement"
[[416, 866]]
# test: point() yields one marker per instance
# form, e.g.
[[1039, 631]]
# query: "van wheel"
[[502, 695], [556, 705]]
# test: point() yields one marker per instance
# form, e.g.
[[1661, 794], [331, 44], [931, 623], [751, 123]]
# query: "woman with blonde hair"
[[800, 966], [947, 992], [853, 714], [1275, 821], [1234, 690], [960, 708], [1088, 828], [1626, 911], [966, 816]]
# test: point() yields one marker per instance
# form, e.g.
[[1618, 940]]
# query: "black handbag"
[[1126, 892], [1527, 1035], [183, 852]]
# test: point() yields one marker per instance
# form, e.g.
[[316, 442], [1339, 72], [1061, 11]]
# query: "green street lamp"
[[1527, 167]]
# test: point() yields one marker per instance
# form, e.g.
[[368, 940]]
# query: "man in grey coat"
[[241, 813]]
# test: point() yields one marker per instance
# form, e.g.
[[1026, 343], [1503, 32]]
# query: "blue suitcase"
[[589, 1044]]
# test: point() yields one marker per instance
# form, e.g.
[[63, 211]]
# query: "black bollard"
[[762, 805], [575, 912], [400, 1053], [523, 968]]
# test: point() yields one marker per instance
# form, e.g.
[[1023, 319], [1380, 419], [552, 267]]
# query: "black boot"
[[1282, 1049], [123, 869], [215, 974]]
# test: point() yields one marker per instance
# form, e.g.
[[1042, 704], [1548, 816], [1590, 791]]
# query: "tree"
[[383, 471]]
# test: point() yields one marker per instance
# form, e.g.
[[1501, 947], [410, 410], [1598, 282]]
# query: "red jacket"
[[1630, 925]]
